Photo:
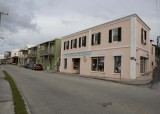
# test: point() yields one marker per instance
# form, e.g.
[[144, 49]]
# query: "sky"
[[37, 21]]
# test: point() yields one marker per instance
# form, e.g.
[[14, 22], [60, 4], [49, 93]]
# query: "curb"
[[144, 82]]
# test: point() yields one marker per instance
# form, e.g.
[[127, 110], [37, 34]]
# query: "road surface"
[[51, 93]]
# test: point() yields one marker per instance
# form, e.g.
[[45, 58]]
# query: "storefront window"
[[65, 63], [97, 64], [117, 64]]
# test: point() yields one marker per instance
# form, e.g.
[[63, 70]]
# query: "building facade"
[[32, 54], [23, 55], [49, 53], [120, 47], [14, 56]]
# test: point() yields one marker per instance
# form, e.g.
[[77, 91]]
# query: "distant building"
[[7, 57], [23, 54], [120, 46], [14, 56]]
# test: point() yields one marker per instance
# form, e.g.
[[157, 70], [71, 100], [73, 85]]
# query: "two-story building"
[[50, 54], [121, 46], [23, 54], [32, 53]]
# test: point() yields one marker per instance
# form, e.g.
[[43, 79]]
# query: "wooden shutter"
[[142, 35], [110, 36], [99, 38], [71, 44], [80, 42], [85, 41], [119, 34], [68, 45], [64, 45], [145, 36], [92, 41], [75, 43]]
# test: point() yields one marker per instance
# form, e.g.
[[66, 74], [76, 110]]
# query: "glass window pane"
[[117, 64]]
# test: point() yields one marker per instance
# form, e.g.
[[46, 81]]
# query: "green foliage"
[[19, 105]]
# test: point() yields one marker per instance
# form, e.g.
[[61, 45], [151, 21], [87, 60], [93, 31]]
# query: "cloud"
[[20, 15], [36, 21]]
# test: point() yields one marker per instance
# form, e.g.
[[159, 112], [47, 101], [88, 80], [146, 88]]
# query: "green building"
[[48, 54]]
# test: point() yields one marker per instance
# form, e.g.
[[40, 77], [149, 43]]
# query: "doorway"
[[76, 65]]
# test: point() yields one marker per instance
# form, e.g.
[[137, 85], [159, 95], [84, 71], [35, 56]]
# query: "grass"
[[19, 106]]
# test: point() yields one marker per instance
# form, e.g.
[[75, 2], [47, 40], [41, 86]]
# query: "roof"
[[107, 23]]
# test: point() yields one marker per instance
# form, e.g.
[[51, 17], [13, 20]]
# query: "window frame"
[[98, 67], [142, 65], [73, 43], [65, 63], [117, 66], [112, 34], [96, 39], [143, 36]]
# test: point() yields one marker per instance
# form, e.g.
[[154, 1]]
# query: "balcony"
[[46, 53], [31, 54]]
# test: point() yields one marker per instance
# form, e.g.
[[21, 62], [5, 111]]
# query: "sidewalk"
[[142, 80], [6, 99]]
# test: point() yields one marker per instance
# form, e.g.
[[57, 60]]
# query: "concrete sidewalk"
[[142, 80], [6, 99]]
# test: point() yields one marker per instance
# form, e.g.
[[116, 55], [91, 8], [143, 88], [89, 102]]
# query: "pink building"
[[122, 45]]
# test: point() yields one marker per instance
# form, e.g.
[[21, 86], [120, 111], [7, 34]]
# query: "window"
[[96, 39], [82, 41], [66, 45], [97, 64], [65, 63], [117, 64], [76, 63], [143, 36], [74, 43], [115, 35], [142, 64]]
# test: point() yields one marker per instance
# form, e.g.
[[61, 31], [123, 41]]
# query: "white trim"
[[97, 55], [127, 46], [133, 48]]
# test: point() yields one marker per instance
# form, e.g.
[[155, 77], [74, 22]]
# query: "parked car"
[[37, 67], [26, 65], [29, 65]]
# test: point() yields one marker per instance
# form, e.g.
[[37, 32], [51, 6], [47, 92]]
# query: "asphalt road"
[[51, 93]]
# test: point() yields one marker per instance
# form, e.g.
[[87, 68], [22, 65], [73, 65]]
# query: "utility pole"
[[2, 13]]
